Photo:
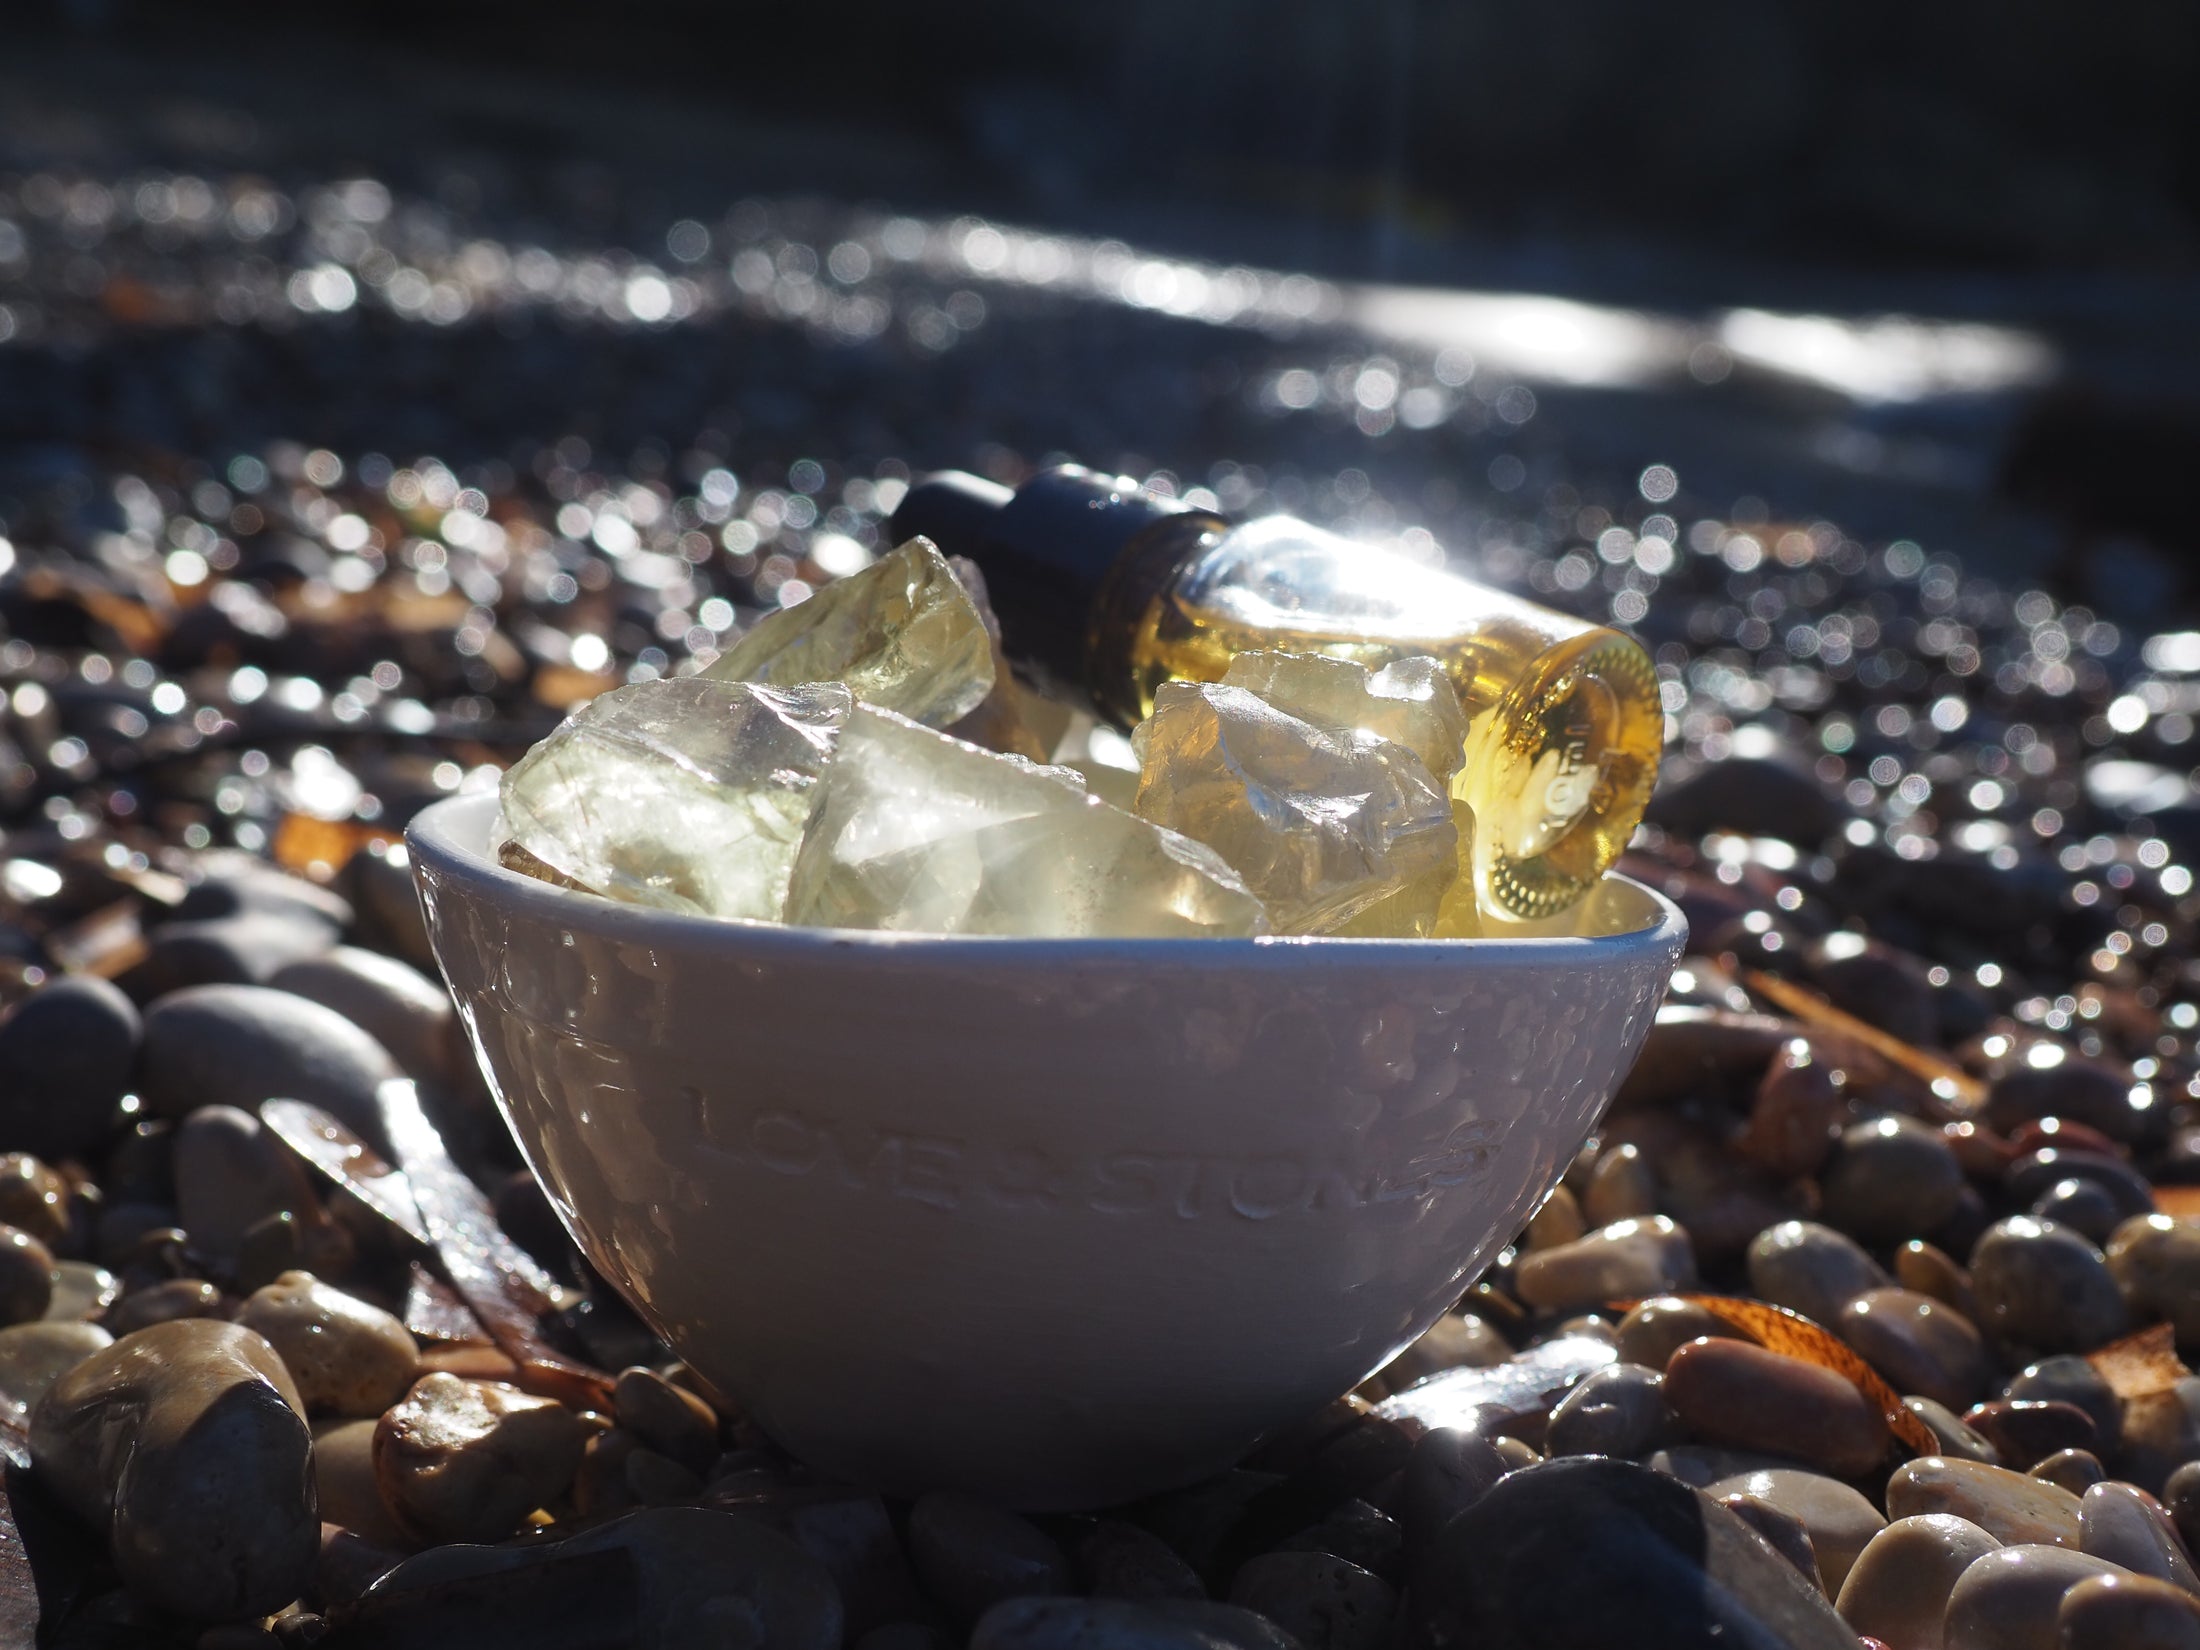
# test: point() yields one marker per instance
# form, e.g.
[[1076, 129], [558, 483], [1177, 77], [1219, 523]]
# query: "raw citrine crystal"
[[920, 832], [1320, 825], [902, 634], [1410, 701], [690, 795]]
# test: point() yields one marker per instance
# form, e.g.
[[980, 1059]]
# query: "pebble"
[[2127, 1613], [694, 1577], [1559, 1220], [1794, 1116], [1919, 1344], [1654, 1329], [1621, 1187], [232, 1173], [26, 1277], [348, 1358], [237, 1045], [1617, 1410], [462, 1460], [68, 1051], [1733, 1392], [2069, 1379], [2181, 1499], [2127, 1526], [2026, 1432], [2013, 1509], [1956, 1440], [1840, 1520], [1672, 1570], [346, 1488], [2085, 1206], [1457, 1340], [230, 885], [1897, 1590], [970, 1556], [1358, 1533], [187, 1443], [1784, 1532], [1321, 1600], [1877, 983], [673, 1422], [242, 950], [2040, 1171], [1647, 1256], [2008, 1599], [34, 1199], [2085, 1091], [1891, 1179], [165, 1302], [35, 1355], [402, 1009], [2043, 1286], [1078, 1624], [1926, 1270], [1119, 1560], [80, 1291], [1811, 1269], [2076, 1470], [1449, 1470], [2156, 1263]]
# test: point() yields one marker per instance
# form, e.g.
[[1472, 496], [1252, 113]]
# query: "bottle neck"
[[1130, 603]]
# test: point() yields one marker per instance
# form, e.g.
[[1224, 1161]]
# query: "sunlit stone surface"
[[902, 634], [1320, 825], [923, 833], [690, 795], [1410, 702]]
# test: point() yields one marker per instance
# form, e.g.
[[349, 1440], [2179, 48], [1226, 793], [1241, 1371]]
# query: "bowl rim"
[[452, 834]]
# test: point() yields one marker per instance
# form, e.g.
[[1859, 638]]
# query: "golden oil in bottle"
[[1120, 590]]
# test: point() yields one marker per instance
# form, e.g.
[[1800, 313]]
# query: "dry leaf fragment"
[[2141, 1365]]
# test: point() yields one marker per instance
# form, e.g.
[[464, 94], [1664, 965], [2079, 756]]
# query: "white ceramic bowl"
[[1059, 1222]]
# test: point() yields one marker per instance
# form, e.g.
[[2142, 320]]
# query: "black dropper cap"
[[1045, 548]]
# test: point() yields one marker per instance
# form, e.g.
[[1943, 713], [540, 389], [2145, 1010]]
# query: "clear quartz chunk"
[[689, 795], [1320, 825], [902, 634], [922, 833], [1410, 701]]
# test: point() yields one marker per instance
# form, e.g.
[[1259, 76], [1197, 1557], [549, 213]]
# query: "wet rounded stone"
[[242, 950], [232, 1173], [1655, 1329], [1811, 1269], [165, 1302], [1897, 1590], [1617, 1410], [346, 1487], [2085, 1091], [1647, 1256], [2075, 1470], [1956, 1440], [1784, 1532], [1358, 1533], [34, 1199], [1926, 1270], [2181, 1499], [1732, 1392], [2127, 1526], [1457, 1340], [2041, 1170], [2127, 1613], [1120, 1560], [1919, 1344], [348, 1358], [462, 1460], [1877, 983], [2084, 1206], [2008, 1599], [1110, 1624], [1840, 1521], [1890, 1179], [1621, 1187], [2025, 1432], [2012, 1508], [404, 1010], [2043, 1286], [1323, 1601], [1588, 1551], [81, 1291], [187, 1444], [35, 1355], [970, 1556], [1559, 1220], [2069, 1379], [2155, 1260], [26, 1277], [1449, 1470], [1794, 1115], [68, 1052], [237, 1045], [673, 1422]]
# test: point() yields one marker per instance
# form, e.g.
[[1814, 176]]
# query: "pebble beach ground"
[[320, 499]]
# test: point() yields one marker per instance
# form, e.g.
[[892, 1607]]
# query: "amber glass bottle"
[[1116, 590]]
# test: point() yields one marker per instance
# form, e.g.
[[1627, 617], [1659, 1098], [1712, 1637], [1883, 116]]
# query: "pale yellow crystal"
[[903, 634], [1410, 701], [1320, 825], [689, 795], [923, 833]]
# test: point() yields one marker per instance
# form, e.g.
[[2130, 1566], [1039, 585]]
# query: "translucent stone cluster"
[[805, 778]]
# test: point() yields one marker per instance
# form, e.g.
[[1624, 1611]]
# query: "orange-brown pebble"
[[1732, 1392]]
